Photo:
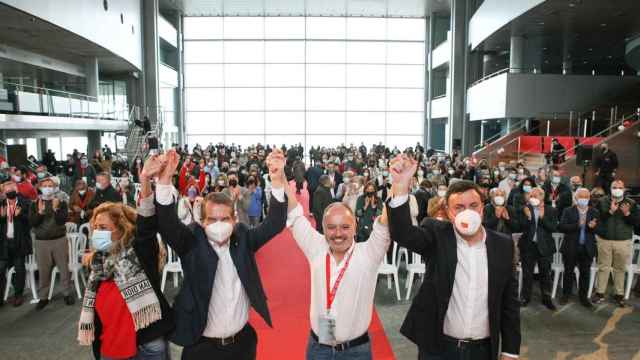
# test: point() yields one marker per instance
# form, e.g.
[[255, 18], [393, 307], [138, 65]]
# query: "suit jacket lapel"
[[451, 248], [492, 269], [235, 256]]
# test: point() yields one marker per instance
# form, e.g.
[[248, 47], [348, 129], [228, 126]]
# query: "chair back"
[[71, 227]]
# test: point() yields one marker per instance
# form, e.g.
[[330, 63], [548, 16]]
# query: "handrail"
[[50, 90], [519, 125], [601, 133], [500, 72]]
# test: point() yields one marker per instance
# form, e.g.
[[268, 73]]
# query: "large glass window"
[[314, 80]]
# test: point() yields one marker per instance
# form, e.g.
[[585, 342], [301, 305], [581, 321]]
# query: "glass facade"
[[311, 80]]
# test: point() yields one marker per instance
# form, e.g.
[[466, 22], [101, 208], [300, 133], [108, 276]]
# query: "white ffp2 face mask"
[[499, 200], [617, 193], [468, 222], [219, 232]]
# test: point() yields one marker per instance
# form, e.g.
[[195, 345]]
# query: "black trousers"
[[451, 351], [243, 349], [17, 261], [581, 259], [529, 259]]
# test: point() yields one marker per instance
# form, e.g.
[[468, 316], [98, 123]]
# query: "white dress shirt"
[[467, 315], [229, 304], [353, 305], [468, 312]]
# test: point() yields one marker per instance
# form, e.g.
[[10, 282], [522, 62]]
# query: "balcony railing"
[[29, 99]]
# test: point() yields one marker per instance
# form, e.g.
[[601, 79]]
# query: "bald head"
[[339, 226]]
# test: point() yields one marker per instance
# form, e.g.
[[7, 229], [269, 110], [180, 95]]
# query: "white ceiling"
[[372, 8]]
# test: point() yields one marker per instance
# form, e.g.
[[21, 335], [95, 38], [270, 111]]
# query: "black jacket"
[[422, 197], [200, 261], [146, 247], [321, 199], [436, 242], [545, 227], [564, 198], [570, 226], [21, 230], [107, 195], [507, 227]]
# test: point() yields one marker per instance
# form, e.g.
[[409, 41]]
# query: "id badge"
[[327, 329], [84, 178]]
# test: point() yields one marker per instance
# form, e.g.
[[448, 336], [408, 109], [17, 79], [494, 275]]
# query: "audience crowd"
[[598, 218]]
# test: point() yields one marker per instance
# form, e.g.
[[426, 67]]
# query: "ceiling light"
[[572, 5], [541, 23], [610, 57], [590, 49], [603, 24]]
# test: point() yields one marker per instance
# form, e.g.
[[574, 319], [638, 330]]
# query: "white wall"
[[528, 95], [488, 99], [440, 107], [442, 53], [494, 14], [89, 20]]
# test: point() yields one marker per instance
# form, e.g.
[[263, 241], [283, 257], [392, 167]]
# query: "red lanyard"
[[331, 295]]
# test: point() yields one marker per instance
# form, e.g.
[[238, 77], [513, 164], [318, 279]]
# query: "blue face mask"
[[101, 240], [526, 188], [583, 203]]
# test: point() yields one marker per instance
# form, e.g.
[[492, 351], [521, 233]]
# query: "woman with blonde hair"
[[124, 313]]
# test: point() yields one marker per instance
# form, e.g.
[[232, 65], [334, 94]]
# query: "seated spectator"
[[499, 216], [81, 197]]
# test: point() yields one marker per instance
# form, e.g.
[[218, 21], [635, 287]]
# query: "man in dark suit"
[[578, 224], [322, 198], [446, 320], [221, 279], [539, 221], [557, 194], [334, 175], [312, 176]]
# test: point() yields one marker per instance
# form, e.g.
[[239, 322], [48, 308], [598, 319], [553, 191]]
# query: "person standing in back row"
[[605, 166]]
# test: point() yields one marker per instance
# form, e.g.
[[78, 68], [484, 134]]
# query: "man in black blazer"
[[539, 222], [446, 320], [221, 279], [578, 224], [321, 199]]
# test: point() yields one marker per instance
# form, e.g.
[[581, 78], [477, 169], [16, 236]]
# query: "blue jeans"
[[157, 349], [315, 351]]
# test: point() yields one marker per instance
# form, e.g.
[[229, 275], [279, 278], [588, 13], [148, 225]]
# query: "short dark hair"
[[426, 184], [462, 186], [218, 198]]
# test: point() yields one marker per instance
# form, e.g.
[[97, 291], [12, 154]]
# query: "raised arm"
[[276, 218], [414, 238], [172, 230]]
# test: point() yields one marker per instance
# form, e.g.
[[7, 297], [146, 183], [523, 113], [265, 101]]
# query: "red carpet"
[[285, 276]]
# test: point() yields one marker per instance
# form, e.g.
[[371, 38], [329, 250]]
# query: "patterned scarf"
[[124, 268]]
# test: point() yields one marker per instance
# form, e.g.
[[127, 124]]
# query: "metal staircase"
[[135, 136]]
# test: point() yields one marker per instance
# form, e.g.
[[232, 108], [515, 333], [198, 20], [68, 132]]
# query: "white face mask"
[[618, 193], [420, 172], [468, 222], [442, 193], [535, 202], [219, 232], [99, 186], [498, 200], [47, 192], [555, 180]]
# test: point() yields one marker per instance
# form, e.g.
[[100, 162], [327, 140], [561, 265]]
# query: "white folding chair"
[[391, 270], [516, 238], [592, 277], [173, 266], [71, 227], [417, 266], [557, 267], [85, 229], [403, 252], [30, 279], [77, 243], [632, 269]]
